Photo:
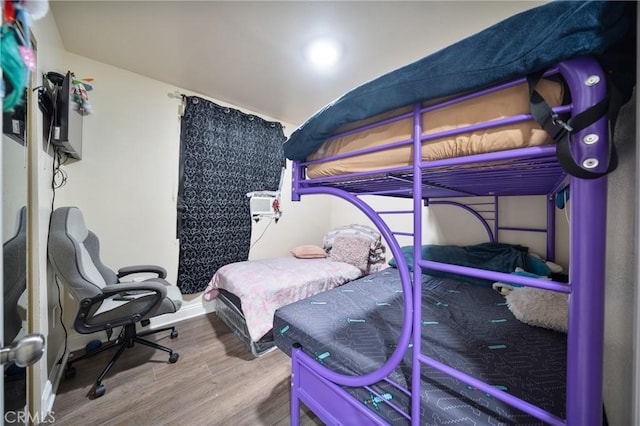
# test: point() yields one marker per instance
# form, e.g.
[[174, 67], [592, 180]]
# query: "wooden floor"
[[216, 381]]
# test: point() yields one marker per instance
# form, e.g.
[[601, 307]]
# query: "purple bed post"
[[417, 271], [551, 228], [295, 385], [586, 307], [496, 220], [297, 175], [587, 247]]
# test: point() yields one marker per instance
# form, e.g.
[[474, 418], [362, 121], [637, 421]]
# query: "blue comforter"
[[524, 43], [497, 257], [354, 328]]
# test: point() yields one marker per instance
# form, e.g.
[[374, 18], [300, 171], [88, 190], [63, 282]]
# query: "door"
[[17, 349], [14, 248], [20, 349]]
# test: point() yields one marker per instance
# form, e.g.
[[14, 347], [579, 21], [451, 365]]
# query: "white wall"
[[303, 222], [622, 279]]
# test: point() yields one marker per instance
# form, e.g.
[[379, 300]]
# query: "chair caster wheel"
[[69, 372], [99, 391], [173, 358], [174, 334]]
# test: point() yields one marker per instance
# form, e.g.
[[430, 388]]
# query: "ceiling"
[[250, 53]]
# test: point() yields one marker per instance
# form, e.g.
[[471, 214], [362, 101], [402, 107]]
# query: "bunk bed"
[[403, 347]]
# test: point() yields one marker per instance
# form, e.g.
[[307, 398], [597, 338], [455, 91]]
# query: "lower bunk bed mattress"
[[251, 291], [507, 102], [353, 330]]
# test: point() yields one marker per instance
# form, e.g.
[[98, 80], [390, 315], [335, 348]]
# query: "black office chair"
[[106, 302]]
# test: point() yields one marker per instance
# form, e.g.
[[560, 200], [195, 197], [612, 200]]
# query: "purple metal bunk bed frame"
[[527, 171]]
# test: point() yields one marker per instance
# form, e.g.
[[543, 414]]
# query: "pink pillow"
[[352, 250], [308, 252]]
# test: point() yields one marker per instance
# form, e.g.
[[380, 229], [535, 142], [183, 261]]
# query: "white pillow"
[[539, 307], [536, 306]]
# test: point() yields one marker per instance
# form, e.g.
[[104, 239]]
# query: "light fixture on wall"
[[323, 53]]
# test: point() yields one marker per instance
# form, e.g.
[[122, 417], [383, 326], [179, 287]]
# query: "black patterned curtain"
[[224, 153]]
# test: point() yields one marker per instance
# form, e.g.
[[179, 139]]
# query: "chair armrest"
[[134, 287], [128, 270], [156, 292]]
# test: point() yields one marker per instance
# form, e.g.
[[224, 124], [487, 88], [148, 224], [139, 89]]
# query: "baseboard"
[[48, 397], [185, 313], [51, 387]]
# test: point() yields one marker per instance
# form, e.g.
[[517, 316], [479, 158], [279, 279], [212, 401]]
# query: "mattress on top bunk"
[[525, 43], [501, 104], [353, 330]]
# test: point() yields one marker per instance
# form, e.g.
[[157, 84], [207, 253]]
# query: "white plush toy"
[[536, 306]]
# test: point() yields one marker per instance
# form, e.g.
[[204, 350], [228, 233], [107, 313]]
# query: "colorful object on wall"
[[562, 197], [14, 74], [79, 96], [18, 59]]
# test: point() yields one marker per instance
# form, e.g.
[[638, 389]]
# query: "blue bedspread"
[[524, 43], [489, 256], [354, 328]]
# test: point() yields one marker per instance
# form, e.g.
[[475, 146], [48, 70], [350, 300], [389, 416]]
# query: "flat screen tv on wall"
[[62, 124]]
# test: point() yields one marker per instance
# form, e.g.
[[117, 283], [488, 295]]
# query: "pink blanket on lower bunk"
[[267, 284]]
